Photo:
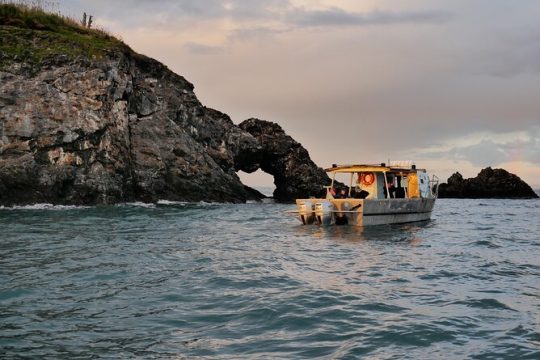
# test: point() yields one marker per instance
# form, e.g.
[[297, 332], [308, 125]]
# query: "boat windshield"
[[373, 182]]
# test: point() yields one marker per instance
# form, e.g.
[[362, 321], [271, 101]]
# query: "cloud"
[[255, 10], [338, 17], [485, 153], [182, 9], [201, 49], [255, 33], [149, 14], [282, 12], [490, 149], [514, 55]]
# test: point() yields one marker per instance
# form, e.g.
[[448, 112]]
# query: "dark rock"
[[295, 174], [254, 194], [124, 127], [490, 183]]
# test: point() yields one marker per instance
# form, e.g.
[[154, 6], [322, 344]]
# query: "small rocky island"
[[86, 120], [489, 183]]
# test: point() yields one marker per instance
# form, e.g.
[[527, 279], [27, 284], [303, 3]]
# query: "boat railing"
[[403, 164]]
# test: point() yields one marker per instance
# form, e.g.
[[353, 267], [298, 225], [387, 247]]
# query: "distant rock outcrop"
[[85, 120], [490, 183]]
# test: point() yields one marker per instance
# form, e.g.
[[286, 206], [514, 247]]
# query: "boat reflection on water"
[[398, 233], [354, 261]]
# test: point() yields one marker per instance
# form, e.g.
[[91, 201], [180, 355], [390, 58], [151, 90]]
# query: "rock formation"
[[295, 175], [92, 122], [489, 183]]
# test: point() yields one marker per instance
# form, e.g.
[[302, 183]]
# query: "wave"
[[44, 206], [138, 204], [169, 202]]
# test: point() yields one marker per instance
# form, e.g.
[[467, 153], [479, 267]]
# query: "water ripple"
[[180, 280]]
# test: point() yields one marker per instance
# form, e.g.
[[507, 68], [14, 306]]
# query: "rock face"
[[295, 175], [123, 127], [490, 183]]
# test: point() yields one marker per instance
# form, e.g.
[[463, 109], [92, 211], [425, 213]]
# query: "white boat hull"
[[361, 212]]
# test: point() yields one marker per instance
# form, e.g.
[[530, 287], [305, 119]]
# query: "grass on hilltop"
[[30, 35]]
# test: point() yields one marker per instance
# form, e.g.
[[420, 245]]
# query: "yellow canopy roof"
[[368, 168]]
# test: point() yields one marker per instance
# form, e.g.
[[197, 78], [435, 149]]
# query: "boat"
[[377, 194]]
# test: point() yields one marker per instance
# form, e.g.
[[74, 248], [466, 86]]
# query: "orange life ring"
[[367, 179]]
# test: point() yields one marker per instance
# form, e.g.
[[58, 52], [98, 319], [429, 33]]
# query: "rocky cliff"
[[489, 183], [85, 120]]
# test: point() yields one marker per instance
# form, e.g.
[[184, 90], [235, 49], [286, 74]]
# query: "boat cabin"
[[375, 195], [379, 182]]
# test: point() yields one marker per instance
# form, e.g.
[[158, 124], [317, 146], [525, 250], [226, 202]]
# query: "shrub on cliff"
[[30, 35]]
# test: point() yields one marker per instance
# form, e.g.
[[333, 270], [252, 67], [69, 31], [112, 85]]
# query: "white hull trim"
[[361, 212], [380, 219]]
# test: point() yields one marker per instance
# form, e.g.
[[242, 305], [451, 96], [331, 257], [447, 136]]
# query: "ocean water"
[[221, 281]]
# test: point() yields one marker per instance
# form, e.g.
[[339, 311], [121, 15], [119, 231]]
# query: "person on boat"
[[343, 194], [360, 193], [389, 189], [399, 191], [332, 192]]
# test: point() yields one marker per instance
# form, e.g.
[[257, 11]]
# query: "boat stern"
[[330, 211], [306, 211]]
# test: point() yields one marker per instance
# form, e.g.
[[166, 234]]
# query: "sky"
[[450, 85]]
